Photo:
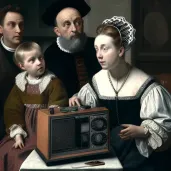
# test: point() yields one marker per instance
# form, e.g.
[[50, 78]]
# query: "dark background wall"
[[101, 9], [152, 20]]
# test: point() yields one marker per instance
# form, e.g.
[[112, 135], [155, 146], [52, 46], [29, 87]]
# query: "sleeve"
[[16, 129], [57, 94], [14, 110], [87, 96], [156, 115]]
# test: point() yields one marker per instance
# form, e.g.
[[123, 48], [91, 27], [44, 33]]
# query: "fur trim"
[[21, 81]]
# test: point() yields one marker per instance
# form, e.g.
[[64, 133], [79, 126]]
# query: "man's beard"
[[75, 44]]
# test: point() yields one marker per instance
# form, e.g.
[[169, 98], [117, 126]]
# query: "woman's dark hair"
[[111, 31]]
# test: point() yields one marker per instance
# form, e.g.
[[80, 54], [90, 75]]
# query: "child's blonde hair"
[[25, 47]]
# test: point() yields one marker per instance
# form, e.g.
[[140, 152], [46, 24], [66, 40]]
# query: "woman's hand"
[[74, 101], [131, 131], [18, 141]]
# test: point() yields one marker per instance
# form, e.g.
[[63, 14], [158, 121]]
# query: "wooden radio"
[[66, 134]]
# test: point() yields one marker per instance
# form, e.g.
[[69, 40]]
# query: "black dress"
[[126, 150], [134, 109]]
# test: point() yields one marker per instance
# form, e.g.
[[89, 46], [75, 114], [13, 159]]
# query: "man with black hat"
[[72, 56]]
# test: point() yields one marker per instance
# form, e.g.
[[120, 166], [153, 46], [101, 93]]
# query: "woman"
[[140, 108]]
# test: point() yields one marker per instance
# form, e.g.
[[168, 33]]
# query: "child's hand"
[[18, 141], [131, 131], [73, 101]]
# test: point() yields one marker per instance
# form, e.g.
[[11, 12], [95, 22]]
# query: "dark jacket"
[[63, 64]]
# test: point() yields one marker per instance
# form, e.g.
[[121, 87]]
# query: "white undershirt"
[[33, 81]]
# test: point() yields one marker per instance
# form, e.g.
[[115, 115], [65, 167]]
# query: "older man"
[[72, 56], [11, 28]]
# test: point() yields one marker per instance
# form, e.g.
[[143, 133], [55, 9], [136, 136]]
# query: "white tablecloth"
[[34, 162]]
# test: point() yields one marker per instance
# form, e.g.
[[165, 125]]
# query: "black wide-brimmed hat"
[[50, 14]]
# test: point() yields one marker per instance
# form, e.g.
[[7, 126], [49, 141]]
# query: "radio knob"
[[51, 110]]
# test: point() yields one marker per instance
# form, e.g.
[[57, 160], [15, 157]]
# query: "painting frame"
[[142, 50]]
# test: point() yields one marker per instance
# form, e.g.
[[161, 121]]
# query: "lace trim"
[[21, 81], [157, 134], [126, 30], [16, 129], [42, 106], [60, 47]]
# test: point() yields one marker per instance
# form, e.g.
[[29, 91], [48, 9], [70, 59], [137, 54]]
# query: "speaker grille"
[[99, 138], [99, 124], [99, 131], [63, 133]]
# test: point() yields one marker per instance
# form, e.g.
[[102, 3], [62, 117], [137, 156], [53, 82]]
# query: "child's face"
[[107, 53], [33, 63]]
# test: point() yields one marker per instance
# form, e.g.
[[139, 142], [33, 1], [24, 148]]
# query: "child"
[[34, 88], [139, 108]]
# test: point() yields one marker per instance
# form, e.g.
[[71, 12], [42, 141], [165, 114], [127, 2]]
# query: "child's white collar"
[[21, 80]]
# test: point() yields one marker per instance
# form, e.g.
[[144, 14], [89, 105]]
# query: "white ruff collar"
[[6, 47], [60, 47], [21, 81]]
